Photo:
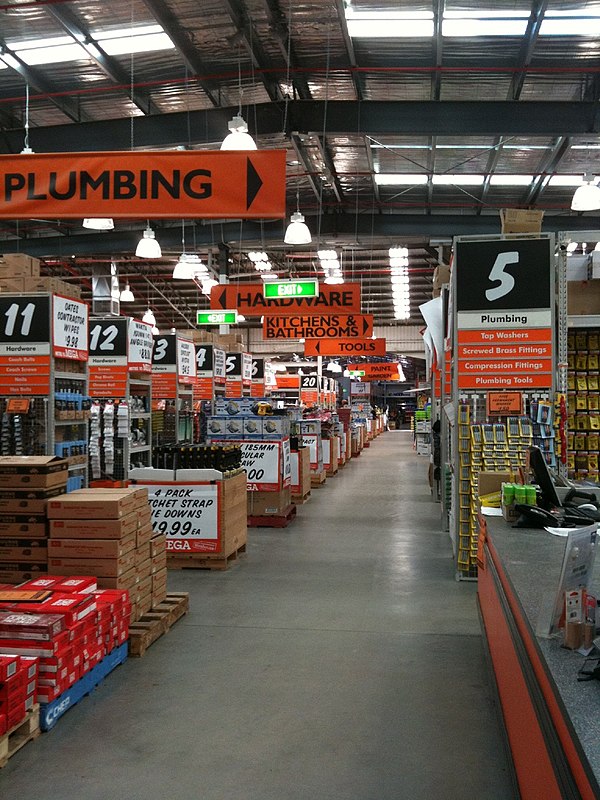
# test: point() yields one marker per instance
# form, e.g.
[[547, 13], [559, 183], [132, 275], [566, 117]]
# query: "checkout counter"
[[552, 720]]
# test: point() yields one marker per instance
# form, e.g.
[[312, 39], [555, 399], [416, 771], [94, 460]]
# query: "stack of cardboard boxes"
[[108, 533], [27, 483], [18, 682], [21, 273]]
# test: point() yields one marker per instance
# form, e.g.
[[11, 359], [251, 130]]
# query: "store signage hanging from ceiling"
[[382, 371], [318, 326], [250, 301], [169, 184], [228, 317], [504, 314], [291, 288], [345, 347]]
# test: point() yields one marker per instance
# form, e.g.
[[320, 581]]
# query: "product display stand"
[[173, 379]]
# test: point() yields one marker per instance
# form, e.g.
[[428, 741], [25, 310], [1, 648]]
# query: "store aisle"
[[339, 661]]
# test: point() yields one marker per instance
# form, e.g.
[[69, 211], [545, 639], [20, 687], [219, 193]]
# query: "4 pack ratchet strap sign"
[[188, 514]]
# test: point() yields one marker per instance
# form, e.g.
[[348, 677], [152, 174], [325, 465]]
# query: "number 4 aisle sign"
[[503, 292]]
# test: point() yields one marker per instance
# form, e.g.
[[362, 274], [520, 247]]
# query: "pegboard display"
[[583, 404]]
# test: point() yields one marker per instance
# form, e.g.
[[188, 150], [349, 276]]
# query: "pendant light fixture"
[[297, 231], [126, 295], [207, 285], [149, 317], [155, 331], [148, 246], [587, 196], [99, 223]]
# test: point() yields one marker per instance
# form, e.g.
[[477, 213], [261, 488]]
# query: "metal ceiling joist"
[[423, 118], [438, 47], [109, 65], [34, 79], [528, 43], [548, 165], [298, 145], [251, 41], [357, 77], [366, 228], [180, 38], [280, 27]]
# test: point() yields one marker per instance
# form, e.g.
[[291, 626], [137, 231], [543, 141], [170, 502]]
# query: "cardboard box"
[[144, 535], [144, 569], [441, 276], [25, 530], [11, 285], [142, 554], [18, 264], [32, 471], [142, 589], [102, 504], [518, 220], [159, 596], [90, 548], [158, 544], [159, 581], [23, 550], [144, 604], [52, 286], [144, 516], [159, 561], [266, 503], [127, 580], [99, 567], [583, 297], [492, 481], [93, 528]]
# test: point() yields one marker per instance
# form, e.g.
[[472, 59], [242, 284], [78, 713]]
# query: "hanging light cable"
[[26, 148], [238, 137]]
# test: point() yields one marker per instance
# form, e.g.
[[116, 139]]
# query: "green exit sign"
[[357, 373], [280, 289], [226, 317]]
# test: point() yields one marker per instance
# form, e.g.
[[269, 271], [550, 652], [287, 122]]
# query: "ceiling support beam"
[[548, 165], [280, 27], [438, 48], [528, 44], [357, 77], [366, 227], [397, 118]]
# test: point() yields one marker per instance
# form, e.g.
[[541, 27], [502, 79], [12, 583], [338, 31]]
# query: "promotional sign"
[[308, 288], [263, 464], [186, 361], [141, 342], [360, 389], [171, 184], [250, 301], [164, 367], [203, 386], [246, 369], [344, 347], [287, 381], [188, 515], [504, 318], [257, 387], [318, 326], [504, 404], [383, 371], [295, 473], [69, 328], [24, 345], [108, 357], [313, 442]]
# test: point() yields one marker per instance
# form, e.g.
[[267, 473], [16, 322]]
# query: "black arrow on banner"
[[221, 298], [253, 183], [318, 347], [365, 325]]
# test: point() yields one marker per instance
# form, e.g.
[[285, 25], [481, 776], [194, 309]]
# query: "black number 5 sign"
[[503, 274]]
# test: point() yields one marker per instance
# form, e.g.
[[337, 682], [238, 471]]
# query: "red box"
[[16, 701], [3, 724], [75, 607], [45, 582], [46, 694], [16, 716], [13, 686], [32, 626], [31, 666], [8, 666], [26, 647], [81, 585]]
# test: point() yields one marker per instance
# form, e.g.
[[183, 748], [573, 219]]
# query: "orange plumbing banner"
[[168, 184], [249, 299]]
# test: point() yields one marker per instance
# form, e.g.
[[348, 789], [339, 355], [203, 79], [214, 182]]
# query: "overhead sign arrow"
[[253, 183]]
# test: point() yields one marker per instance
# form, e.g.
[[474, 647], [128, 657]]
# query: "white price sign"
[[295, 472], [287, 462], [247, 368], [186, 361], [141, 343], [188, 515], [219, 365], [261, 460], [69, 329]]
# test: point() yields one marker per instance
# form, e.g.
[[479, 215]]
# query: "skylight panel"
[[389, 24], [511, 180], [465, 179], [399, 179]]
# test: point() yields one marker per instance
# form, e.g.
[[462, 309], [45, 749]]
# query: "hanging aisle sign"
[[384, 371], [250, 301], [318, 326], [257, 388], [69, 328], [25, 345], [108, 357], [164, 368], [169, 184], [344, 347], [504, 316]]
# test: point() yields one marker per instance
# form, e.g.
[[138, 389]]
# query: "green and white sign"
[[277, 289], [357, 373], [227, 317]]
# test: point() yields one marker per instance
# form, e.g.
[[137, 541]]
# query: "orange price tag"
[[18, 405]]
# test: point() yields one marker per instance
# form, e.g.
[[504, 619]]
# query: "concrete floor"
[[338, 660]]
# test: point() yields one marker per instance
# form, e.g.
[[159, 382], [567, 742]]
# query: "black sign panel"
[[503, 274], [108, 337], [233, 365], [309, 382], [24, 319], [258, 369], [165, 350], [204, 358]]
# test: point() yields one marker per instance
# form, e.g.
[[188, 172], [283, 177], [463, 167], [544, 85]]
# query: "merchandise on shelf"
[[583, 404]]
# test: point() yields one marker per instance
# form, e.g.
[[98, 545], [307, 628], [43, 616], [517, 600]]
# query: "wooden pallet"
[[317, 480], [271, 521], [205, 560], [17, 737], [300, 499], [156, 622]]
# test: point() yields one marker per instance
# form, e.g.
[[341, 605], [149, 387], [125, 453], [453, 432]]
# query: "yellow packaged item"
[[593, 402], [582, 383], [592, 361], [594, 422], [581, 340], [593, 340], [593, 461], [592, 382], [581, 403], [578, 443], [581, 362]]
